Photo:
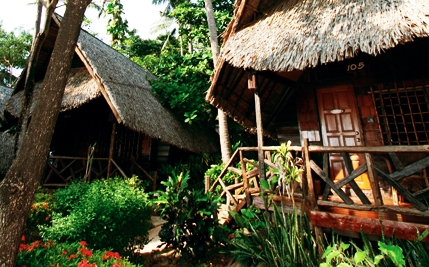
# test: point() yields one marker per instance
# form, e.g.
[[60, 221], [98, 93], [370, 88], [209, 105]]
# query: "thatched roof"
[[125, 87], [297, 34], [281, 38], [5, 93], [80, 89]]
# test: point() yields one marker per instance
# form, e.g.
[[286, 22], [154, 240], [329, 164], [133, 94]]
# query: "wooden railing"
[[239, 194], [63, 169]]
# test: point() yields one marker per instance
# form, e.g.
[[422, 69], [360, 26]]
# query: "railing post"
[[311, 197], [376, 193], [245, 180]]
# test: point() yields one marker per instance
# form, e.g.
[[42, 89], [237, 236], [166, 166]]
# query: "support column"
[[252, 85], [111, 150]]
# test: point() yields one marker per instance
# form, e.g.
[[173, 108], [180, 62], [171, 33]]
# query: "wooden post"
[[111, 150], [376, 193], [252, 85], [311, 197], [245, 180], [155, 174], [308, 181]]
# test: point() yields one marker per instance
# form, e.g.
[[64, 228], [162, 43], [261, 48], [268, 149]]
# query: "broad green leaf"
[[264, 185], [359, 256]]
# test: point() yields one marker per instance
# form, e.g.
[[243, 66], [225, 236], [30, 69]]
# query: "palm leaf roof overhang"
[[5, 93], [285, 37], [125, 87]]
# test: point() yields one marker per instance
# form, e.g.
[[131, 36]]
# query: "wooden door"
[[340, 127]]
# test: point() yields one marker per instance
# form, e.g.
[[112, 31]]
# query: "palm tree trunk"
[[22, 179], [225, 145]]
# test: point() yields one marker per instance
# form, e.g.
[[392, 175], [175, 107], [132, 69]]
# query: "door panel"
[[340, 127]]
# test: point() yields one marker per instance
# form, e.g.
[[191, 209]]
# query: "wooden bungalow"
[[110, 123], [348, 83]]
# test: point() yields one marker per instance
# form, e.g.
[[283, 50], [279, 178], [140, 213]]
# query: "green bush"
[[191, 225], [108, 214], [39, 254], [40, 214]]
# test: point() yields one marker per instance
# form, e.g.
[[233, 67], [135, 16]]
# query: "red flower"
[[82, 243], [72, 256], [115, 265], [84, 263], [47, 218], [23, 238], [22, 247], [109, 255], [65, 252], [86, 252]]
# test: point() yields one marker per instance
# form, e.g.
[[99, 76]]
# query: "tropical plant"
[[339, 255], [109, 214], [191, 227], [287, 172], [284, 239]]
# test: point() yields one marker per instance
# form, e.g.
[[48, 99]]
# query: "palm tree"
[[225, 145]]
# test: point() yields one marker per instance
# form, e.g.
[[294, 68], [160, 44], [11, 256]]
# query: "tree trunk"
[[19, 186], [225, 145], [38, 39]]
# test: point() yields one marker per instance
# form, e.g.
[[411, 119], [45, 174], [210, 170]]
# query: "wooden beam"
[[329, 182], [370, 226], [352, 183], [375, 186], [260, 131], [111, 149], [407, 195]]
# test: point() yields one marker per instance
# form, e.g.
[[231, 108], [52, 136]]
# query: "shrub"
[[108, 214], [40, 214], [74, 254], [191, 225]]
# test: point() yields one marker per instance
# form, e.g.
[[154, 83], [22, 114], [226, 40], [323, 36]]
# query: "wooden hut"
[[348, 80], [109, 116]]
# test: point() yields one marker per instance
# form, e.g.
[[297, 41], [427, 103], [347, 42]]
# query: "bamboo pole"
[[111, 150]]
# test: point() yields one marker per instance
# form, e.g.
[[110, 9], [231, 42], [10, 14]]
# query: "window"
[[403, 112]]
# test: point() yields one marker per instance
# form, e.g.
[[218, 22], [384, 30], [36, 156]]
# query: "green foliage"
[[339, 255], [288, 170], [229, 177], [182, 83], [283, 240], [191, 226], [117, 27], [192, 20], [14, 50], [38, 254], [108, 214], [40, 214]]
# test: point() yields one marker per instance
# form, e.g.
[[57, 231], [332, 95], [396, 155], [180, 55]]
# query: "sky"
[[141, 15]]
